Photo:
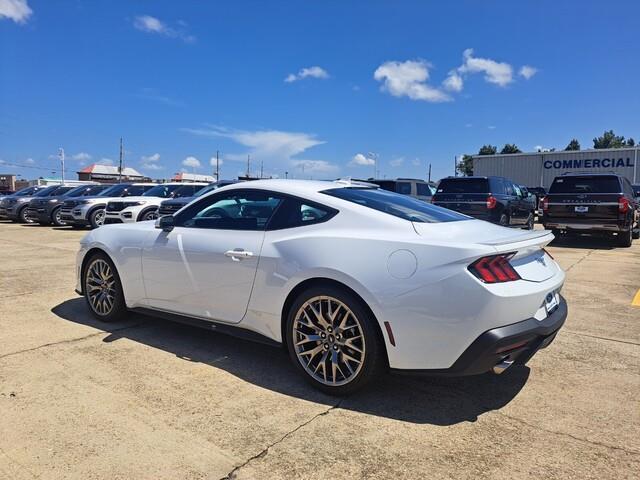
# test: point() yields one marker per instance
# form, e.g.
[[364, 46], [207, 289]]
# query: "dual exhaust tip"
[[502, 366]]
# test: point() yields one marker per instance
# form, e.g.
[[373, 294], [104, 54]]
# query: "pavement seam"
[[581, 260], [71, 340], [232, 474], [601, 338]]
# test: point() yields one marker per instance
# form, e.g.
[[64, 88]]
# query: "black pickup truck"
[[592, 203]]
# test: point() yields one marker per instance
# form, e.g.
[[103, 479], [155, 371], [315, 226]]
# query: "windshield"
[[595, 184], [86, 190], [188, 190], [407, 208], [463, 185], [24, 191], [162, 191]]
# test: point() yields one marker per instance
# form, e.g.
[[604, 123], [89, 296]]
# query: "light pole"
[[374, 156], [61, 155]]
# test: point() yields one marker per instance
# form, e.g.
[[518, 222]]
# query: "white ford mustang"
[[352, 280]]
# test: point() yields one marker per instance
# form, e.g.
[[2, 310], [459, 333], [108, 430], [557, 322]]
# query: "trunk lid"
[[530, 260]]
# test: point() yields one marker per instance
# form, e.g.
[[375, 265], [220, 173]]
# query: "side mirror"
[[165, 223]]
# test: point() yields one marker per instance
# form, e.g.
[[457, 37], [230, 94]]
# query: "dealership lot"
[[151, 399]]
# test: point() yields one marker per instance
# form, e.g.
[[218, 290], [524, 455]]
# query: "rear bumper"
[[516, 343], [570, 224]]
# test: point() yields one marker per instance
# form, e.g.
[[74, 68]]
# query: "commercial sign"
[[589, 163]]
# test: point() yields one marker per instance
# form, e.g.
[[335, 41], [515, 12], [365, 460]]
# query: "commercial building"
[[110, 174], [192, 177], [540, 168]]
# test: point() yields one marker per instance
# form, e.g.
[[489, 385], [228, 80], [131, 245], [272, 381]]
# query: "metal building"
[[540, 168]]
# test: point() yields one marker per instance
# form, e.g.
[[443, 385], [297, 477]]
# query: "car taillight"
[[491, 202], [494, 269], [545, 204], [623, 205]]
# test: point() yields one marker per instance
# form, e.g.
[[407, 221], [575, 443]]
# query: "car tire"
[[102, 289], [504, 220], [148, 215], [96, 217], [22, 216], [530, 222], [55, 218], [625, 238], [348, 352]]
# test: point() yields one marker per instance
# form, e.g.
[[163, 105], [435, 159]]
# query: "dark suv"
[[47, 210], [603, 203], [494, 199]]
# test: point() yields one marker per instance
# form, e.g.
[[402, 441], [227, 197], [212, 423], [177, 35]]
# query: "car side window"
[[517, 191], [404, 188], [423, 189], [295, 212], [509, 188], [235, 210]]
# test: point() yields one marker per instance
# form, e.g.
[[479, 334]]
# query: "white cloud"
[[105, 161], [314, 166], [415, 162], [396, 162], [313, 72], [191, 162], [213, 161], [155, 96], [81, 157], [527, 71], [361, 160], [16, 10], [491, 127], [150, 162], [409, 79], [498, 73], [149, 24], [468, 125], [453, 82], [29, 161]]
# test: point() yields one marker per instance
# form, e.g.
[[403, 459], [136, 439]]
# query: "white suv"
[[89, 211], [145, 207]]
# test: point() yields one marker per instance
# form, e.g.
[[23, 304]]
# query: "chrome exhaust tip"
[[502, 366]]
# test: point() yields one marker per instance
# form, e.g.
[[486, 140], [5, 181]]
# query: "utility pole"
[[261, 168], [455, 165], [286, 175], [61, 155], [248, 165], [120, 164], [217, 165], [374, 156], [429, 176]]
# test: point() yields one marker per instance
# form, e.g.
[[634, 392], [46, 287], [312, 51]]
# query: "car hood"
[[137, 199]]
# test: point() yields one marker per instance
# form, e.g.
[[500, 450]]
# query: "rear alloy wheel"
[[332, 339], [151, 215], [96, 219], [530, 222], [57, 219], [625, 238], [504, 220], [102, 289]]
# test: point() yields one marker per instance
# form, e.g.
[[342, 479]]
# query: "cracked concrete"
[[150, 399]]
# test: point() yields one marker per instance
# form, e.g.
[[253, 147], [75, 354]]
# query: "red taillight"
[[545, 204], [491, 202], [494, 269], [623, 205]]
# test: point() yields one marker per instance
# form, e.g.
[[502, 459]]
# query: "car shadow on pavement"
[[584, 242], [422, 400]]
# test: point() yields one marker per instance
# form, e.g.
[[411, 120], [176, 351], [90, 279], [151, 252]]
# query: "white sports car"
[[352, 279]]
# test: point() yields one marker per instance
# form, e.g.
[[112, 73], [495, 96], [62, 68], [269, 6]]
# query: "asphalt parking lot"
[[150, 399]]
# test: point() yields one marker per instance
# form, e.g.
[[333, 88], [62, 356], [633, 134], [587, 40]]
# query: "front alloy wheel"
[[333, 340], [152, 215], [57, 219], [102, 289]]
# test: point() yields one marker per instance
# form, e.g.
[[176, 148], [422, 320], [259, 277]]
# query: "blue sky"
[[309, 87]]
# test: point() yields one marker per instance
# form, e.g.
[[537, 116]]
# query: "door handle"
[[238, 254]]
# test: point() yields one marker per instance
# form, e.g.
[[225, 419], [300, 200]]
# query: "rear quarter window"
[[463, 185]]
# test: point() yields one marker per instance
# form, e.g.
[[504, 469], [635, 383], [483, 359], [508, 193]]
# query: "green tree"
[[510, 148], [465, 166], [609, 140], [631, 142], [488, 150], [574, 144]]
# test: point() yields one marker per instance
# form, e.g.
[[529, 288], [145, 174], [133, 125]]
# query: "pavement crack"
[[71, 340], [601, 338], [569, 435], [581, 260], [232, 474]]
